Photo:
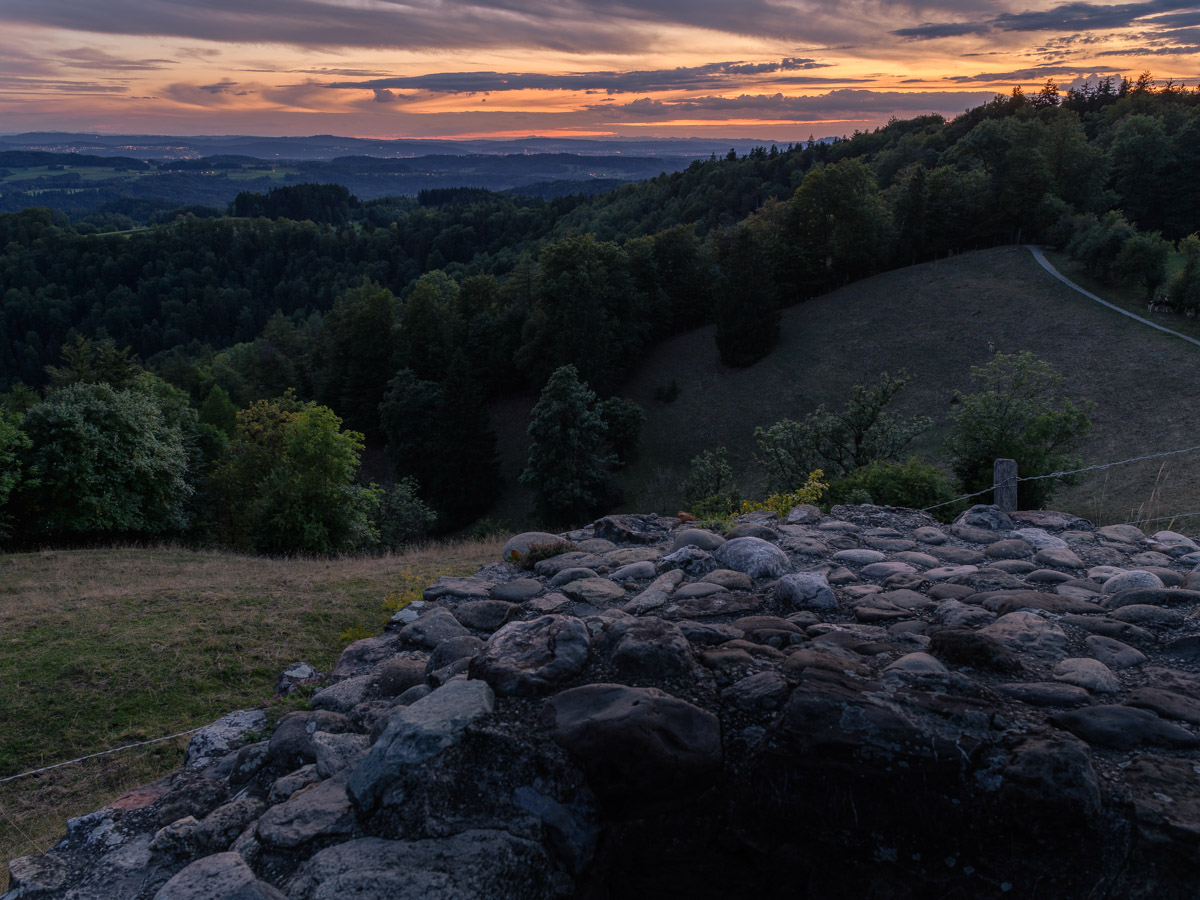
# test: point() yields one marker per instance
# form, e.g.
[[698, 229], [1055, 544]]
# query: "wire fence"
[[71, 762], [1095, 468]]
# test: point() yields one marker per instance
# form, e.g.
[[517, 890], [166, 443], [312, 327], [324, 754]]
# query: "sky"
[[781, 70]]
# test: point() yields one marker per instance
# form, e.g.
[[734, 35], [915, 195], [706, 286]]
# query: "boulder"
[[754, 556], [525, 659]]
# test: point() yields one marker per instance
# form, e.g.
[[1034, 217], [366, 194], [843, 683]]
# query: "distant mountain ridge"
[[327, 147]]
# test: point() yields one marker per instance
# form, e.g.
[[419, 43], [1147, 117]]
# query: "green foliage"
[[1017, 414], [567, 467], [94, 362], [863, 431], [12, 442], [1143, 260], [1184, 289], [914, 484], [748, 316], [402, 518], [104, 461], [287, 484], [623, 421], [710, 491], [782, 503], [218, 411]]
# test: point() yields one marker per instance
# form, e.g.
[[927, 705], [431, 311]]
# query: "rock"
[[729, 579], [524, 659], [222, 875], [336, 752], [461, 588], [1167, 704], [1146, 615], [431, 629], [516, 548], [1124, 728], [1004, 602], [1113, 653], [1009, 549], [485, 615], [477, 863], [396, 676], [1186, 648], [637, 571], [752, 529], [1172, 543], [929, 535], [754, 556], [804, 513], [985, 516], [343, 696], [959, 556], [1150, 596], [1046, 693], [633, 529], [447, 652], [916, 664], [696, 537], [962, 615], [766, 690], [321, 810], [596, 591], [975, 649], [222, 736], [415, 733], [566, 576], [887, 569], [295, 675], [806, 590], [33, 876], [628, 555], [518, 590], [691, 560], [291, 744], [1089, 674], [945, 573], [1135, 579], [362, 656], [641, 748], [1027, 632], [1125, 534], [1061, 557], [649, 648], [1040, 539], [859, 557], [724, 604], [572, 559], [1054, 773], [698, 589]]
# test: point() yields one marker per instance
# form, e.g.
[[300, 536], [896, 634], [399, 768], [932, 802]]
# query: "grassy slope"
[[103, 648], [935, 321]]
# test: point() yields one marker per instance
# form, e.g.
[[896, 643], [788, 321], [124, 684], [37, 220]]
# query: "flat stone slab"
[[729, 604], [1124, 728], [596, 591], [1045, 693], [468, 588]]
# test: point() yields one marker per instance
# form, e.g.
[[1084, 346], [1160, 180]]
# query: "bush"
[[781, 504], [709, 491], [402, 518], [1015, 416], [912, 485]]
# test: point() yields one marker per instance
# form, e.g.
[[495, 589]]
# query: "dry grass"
[[102, 648]]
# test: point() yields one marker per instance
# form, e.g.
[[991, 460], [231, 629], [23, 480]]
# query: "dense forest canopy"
[[396, 311]]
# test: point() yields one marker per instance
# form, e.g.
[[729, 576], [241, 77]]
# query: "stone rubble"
[[868, 703]]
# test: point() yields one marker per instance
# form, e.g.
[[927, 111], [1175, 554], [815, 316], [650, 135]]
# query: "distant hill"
[[933, 320]]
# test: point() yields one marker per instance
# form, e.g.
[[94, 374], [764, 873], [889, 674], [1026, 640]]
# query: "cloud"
[[383, 95], [929, 31], [94, 58], [224, 86], [688, 77]]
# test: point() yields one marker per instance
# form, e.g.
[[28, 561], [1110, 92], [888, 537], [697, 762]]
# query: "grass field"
[[934, 320], [104, 648]]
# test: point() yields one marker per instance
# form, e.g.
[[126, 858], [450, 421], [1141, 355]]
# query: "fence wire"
[[1066, 472], [71, 762]]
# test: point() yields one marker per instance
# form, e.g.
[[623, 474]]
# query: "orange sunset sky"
[[772, 69]]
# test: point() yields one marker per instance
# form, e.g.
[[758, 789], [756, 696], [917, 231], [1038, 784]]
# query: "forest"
[[216, 374]]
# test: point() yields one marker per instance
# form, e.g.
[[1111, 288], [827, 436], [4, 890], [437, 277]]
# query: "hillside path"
[[1048, 266]]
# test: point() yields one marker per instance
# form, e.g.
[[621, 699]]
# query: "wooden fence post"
[[1004, 484]]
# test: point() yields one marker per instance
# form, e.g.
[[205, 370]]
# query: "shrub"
[[401, 517], [914, 484], [781, 504], [709, 490]]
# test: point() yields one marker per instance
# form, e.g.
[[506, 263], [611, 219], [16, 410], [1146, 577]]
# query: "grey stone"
[[696, 537], [1089, 674], [638, 571], [986, 516], [485, 615], [752, 529], [479, 863], [859, 557], [927, 534], [765, 690], [649, 647], [321, 810], [1027, 632], [727, 578], [1046, 693], [596, 591], [1167, 704], [1124, 728], [361, 656], [689, 559], [1147, 615], [754, 556], [518, 590], [640, 747], [1134, 579], [1062, 557], [516, 548], [626, 555], [415, 733], [962, 615], [294, 675], [431, 629], [573, 559], [698, 589], [288, 784], [291, 744], [1040, 539], [222, 876], [1009, 549], [886, 569], [469, 588], [806, 590], [396, 676], [343, 696], [1125, 534], [572, 830], [529, 658], [634, 529], [566, 576], [222, 736], [1113, 653]]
